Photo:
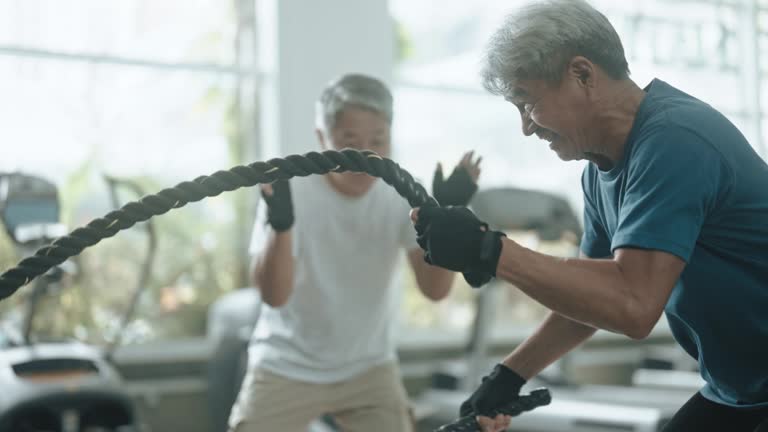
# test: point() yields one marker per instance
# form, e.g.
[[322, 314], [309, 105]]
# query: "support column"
[[303, 45]]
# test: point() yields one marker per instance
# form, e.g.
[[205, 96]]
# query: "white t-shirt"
[[340, 318]]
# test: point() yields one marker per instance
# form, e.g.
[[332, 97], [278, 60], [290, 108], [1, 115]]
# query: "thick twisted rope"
[[235, 178], [178, 196]]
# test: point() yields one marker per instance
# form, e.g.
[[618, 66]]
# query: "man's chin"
[[362, 181], [565, 156], [358, 178]]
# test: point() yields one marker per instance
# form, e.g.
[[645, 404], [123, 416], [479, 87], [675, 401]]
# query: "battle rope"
[[536, 398], [72, 244], [183, 193]]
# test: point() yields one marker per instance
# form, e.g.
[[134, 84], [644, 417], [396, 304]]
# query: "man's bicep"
[[651, 274]]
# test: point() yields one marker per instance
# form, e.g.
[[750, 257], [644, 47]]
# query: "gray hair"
[[352, 91], [539, 40]]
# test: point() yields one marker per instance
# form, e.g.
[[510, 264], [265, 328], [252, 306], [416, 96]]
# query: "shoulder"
[[677, 154], [679, 162], [677, 123], [674, 138], [386, 195], [387, 201]]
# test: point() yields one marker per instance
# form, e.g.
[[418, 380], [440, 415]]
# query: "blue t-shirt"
[[691, 185]]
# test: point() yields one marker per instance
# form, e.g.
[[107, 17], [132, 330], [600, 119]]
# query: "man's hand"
[[499, 388], [458, 189], [279, 205], [455, 239]]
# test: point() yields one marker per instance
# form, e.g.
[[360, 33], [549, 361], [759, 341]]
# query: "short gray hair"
[[352, 91], [539, 40]]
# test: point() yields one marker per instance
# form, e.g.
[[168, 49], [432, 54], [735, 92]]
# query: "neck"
[[616, 116]]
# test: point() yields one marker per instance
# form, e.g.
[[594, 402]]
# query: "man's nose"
[[529, 127]]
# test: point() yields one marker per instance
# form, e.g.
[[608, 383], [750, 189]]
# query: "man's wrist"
[[519, 368], [282, 235], [510, 264], [280, 227], [508, 376], [491, 246]]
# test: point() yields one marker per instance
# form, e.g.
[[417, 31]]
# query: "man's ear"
[[583, 70]]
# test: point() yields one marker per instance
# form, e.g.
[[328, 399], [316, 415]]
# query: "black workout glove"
[[476, 278], [499, 388], [457, 190], [455, 239], [279, 206]]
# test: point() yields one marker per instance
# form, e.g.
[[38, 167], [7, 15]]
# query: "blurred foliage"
[[201, 248], [195, 261], [405, 48], [194, 264]]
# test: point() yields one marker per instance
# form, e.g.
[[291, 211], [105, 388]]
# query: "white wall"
[[303, 44]]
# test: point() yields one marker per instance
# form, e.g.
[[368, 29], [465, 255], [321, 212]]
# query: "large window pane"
[[167, 30], [72, 122], [129, 120]]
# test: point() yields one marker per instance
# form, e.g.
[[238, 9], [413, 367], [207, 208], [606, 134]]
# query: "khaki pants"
[[372, 402]]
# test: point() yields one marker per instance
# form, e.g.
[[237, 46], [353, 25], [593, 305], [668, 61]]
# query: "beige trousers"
[[372, 402]]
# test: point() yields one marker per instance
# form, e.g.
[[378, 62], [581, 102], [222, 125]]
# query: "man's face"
[[359, 129], [557, 113]]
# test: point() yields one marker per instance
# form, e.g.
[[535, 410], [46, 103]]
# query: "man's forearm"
[[590, 291], [553, 339], [434, 282], [273, 269]]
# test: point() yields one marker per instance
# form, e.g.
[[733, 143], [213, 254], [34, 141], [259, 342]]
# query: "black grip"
[[536, 398]]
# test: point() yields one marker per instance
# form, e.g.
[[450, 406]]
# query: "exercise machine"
[[51, 386]]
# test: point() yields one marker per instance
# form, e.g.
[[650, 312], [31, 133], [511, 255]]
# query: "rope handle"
[[535, 399]]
